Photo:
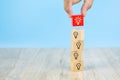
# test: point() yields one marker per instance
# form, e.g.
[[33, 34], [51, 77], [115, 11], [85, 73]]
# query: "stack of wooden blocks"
[[77, 49]]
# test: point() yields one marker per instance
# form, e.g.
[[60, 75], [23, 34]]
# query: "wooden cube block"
[[77, 45], [77, 35], [76, 56], [77, 20], [76, 75], [77, 66]]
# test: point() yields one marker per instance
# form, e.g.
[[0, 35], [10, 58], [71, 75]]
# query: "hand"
[[68, 6]]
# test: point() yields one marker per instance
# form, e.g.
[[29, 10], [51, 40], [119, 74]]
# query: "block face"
[[77, 66], [76, 56], [77, 35], [77, 20], [77, 45], [77, 75]]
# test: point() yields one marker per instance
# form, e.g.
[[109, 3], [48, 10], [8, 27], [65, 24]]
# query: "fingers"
[[68, 7], [75, 1], [87, 5]]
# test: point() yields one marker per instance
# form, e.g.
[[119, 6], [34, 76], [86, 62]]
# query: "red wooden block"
[[77, 20]]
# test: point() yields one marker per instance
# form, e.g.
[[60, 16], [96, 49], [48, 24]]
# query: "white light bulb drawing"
[[76, 55], [75, 34], [78, 65], [78, 20], [78, 44]]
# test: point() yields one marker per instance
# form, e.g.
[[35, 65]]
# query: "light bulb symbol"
[[75, 34], [76, 55], [78, 65], [78, 44], [78, 20]]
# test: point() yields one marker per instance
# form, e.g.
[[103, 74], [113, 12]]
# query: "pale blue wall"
[[43, 23]]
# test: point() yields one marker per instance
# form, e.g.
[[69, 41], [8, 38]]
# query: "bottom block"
[[77, 75], [77, 66]]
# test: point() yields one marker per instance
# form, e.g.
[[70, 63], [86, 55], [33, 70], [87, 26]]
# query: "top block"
[[77, 20]]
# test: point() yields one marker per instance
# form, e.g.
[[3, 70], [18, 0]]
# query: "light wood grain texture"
[[77, 66], [77, 76], [77, 49], [54, 64], [76, 56], [77, 34], [77, 46]]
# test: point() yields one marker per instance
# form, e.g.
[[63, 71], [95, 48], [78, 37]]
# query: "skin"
[[68, 6]]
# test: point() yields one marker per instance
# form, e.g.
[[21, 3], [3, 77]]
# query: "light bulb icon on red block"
[[77, 20]]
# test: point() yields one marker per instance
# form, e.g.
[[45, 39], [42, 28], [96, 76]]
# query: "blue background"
[[44, 23]]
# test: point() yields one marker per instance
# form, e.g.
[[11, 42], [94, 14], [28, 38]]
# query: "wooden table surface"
[[54, 64]]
